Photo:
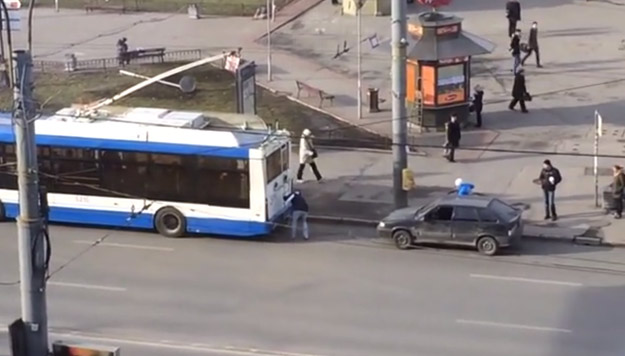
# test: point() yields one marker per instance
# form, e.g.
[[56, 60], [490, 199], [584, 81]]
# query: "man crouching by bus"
[[300, 212]]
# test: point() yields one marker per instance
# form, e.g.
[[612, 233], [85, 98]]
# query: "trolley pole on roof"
[[33, 244]]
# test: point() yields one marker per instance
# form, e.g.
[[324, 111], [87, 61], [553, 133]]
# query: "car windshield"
[[424, 208], [503, 210]]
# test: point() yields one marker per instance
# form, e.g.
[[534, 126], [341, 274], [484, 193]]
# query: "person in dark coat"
[[532, 45], [453, 135], [549, 179], [299, 213], [478, 104], [513, 13], [519, 91], [515, 49], [618, 186]]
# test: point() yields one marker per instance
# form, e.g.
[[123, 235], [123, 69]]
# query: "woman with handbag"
[[307, 155], [519, 91]]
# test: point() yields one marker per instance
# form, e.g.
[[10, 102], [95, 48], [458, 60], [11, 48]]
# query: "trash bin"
[[374, 105], [608, 199]]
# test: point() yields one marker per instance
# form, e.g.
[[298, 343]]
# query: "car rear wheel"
[[487, 245], [402, 239]]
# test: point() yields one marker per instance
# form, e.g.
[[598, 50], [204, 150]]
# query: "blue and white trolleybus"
[[176, 172]]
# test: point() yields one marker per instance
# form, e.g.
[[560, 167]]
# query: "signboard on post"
[[15, 19], [246, 88]]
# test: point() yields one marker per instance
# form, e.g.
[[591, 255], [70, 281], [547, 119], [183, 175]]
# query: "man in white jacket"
[[307, 155]]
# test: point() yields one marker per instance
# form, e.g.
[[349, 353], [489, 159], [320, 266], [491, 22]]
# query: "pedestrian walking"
[[532, 45], [453, 135], [549, 179], [618, 185], [519, 91], [478, 104], [122, 51], [307, 156], [513, 13], [515, 50], [299, 213]]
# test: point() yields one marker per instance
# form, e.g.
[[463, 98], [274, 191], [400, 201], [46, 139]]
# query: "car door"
[[465, 226], [436, 225]]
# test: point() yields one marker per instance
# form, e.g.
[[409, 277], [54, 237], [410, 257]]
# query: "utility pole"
[[359, 34], [32, 244], [399, 115], [269, 16]]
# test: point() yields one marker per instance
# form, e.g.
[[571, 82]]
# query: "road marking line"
[[112, 244], [527, 280], [207, 349], [87, 286], [512, 326]]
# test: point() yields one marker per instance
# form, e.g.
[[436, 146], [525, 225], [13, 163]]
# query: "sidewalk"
[[357, 185], [584, 71]]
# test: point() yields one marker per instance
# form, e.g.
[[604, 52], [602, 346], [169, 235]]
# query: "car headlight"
[[381, 224]]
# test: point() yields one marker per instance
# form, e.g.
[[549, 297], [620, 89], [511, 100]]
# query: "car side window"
[[442, 213], [487, 216], [462, 213]]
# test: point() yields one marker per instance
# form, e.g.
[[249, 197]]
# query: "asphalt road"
[[342, 294]]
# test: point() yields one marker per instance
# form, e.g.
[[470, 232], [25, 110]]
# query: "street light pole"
[[31, 235], [399, 115], [359, 34], [269, 16]]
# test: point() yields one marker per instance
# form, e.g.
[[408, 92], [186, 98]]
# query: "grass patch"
[[215, 92], [207, 7]]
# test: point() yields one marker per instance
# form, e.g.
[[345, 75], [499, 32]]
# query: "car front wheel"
[[487, 245], [402, 239]]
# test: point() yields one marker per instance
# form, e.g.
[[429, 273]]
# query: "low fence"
[[112, 63], [206, 7]]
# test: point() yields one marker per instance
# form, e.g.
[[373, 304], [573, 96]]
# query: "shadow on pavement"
[[539, 247]]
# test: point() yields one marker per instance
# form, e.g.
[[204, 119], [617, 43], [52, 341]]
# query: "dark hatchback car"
[[483, 222]]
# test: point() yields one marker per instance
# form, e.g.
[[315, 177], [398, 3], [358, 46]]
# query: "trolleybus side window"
[[8, 167]]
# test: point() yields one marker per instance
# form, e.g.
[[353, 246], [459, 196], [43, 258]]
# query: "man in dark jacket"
[[515, 49], [549, 178], [453, 135], [513, 13], [519, 91], [532, 45], [478, 104], [618, 185], [300, 212]]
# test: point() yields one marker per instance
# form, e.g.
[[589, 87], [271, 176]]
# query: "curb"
[[577, 240], [288, 20]]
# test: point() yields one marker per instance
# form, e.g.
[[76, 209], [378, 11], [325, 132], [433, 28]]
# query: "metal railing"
[[112, 63]]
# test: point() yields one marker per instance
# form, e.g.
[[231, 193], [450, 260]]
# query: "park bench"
[[312, 91], [108, 8], [146, 53]]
